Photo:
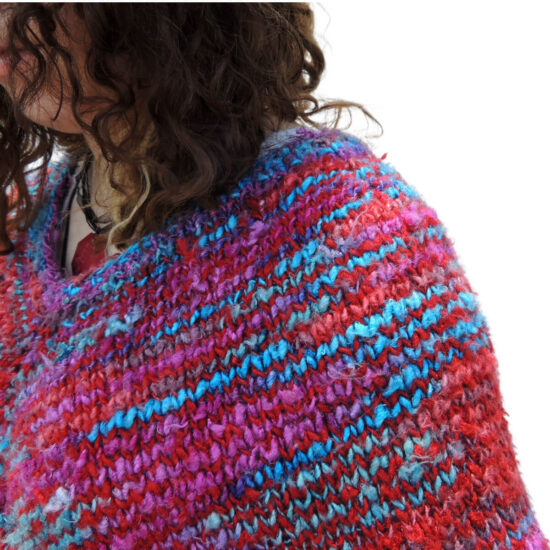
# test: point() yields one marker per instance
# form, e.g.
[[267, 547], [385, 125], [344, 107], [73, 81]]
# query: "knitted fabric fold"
[[304, 366]]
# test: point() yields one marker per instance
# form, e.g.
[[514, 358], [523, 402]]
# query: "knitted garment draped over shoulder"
[[304, 366]]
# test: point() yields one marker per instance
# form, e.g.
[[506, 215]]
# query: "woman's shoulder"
[[326, 164], [326, 193], [377, 338], [320, 365]]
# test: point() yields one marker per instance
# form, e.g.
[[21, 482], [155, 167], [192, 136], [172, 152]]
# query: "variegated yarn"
[[305, 366]]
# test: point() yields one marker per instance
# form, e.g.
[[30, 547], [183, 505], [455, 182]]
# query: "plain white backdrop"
[[462, 92]]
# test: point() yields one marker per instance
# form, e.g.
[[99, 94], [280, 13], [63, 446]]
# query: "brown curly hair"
[[195, 88]]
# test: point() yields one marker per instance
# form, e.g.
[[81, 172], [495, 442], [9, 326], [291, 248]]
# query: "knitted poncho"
[[304, 366]]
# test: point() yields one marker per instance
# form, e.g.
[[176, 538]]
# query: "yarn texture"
[[304, 366]]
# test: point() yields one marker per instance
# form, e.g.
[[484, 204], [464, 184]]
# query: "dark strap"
[[66, 214], [83, 199]]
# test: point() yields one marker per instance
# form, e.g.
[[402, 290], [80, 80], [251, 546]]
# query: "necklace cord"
[[83, 199]]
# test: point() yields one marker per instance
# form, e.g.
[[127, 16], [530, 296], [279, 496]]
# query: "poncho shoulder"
[[304, 366]]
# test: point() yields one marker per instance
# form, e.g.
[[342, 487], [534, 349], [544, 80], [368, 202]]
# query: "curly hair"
[[195, 87]]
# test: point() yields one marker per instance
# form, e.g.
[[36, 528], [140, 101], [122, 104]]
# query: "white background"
[[462, 92]]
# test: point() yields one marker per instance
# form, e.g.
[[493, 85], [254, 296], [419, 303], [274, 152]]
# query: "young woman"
[[223, 325]]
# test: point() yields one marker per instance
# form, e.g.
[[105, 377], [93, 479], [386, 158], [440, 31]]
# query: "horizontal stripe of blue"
[[266, 165], [20, 526], [287, 201], [398, 185], [277, 351], [381, 413], [338, 213], [265, 168], [377, 512], [309, 256]]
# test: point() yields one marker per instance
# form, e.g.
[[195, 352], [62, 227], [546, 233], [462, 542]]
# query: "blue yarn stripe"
[[279, 350], [287, 201], [308, 257]]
